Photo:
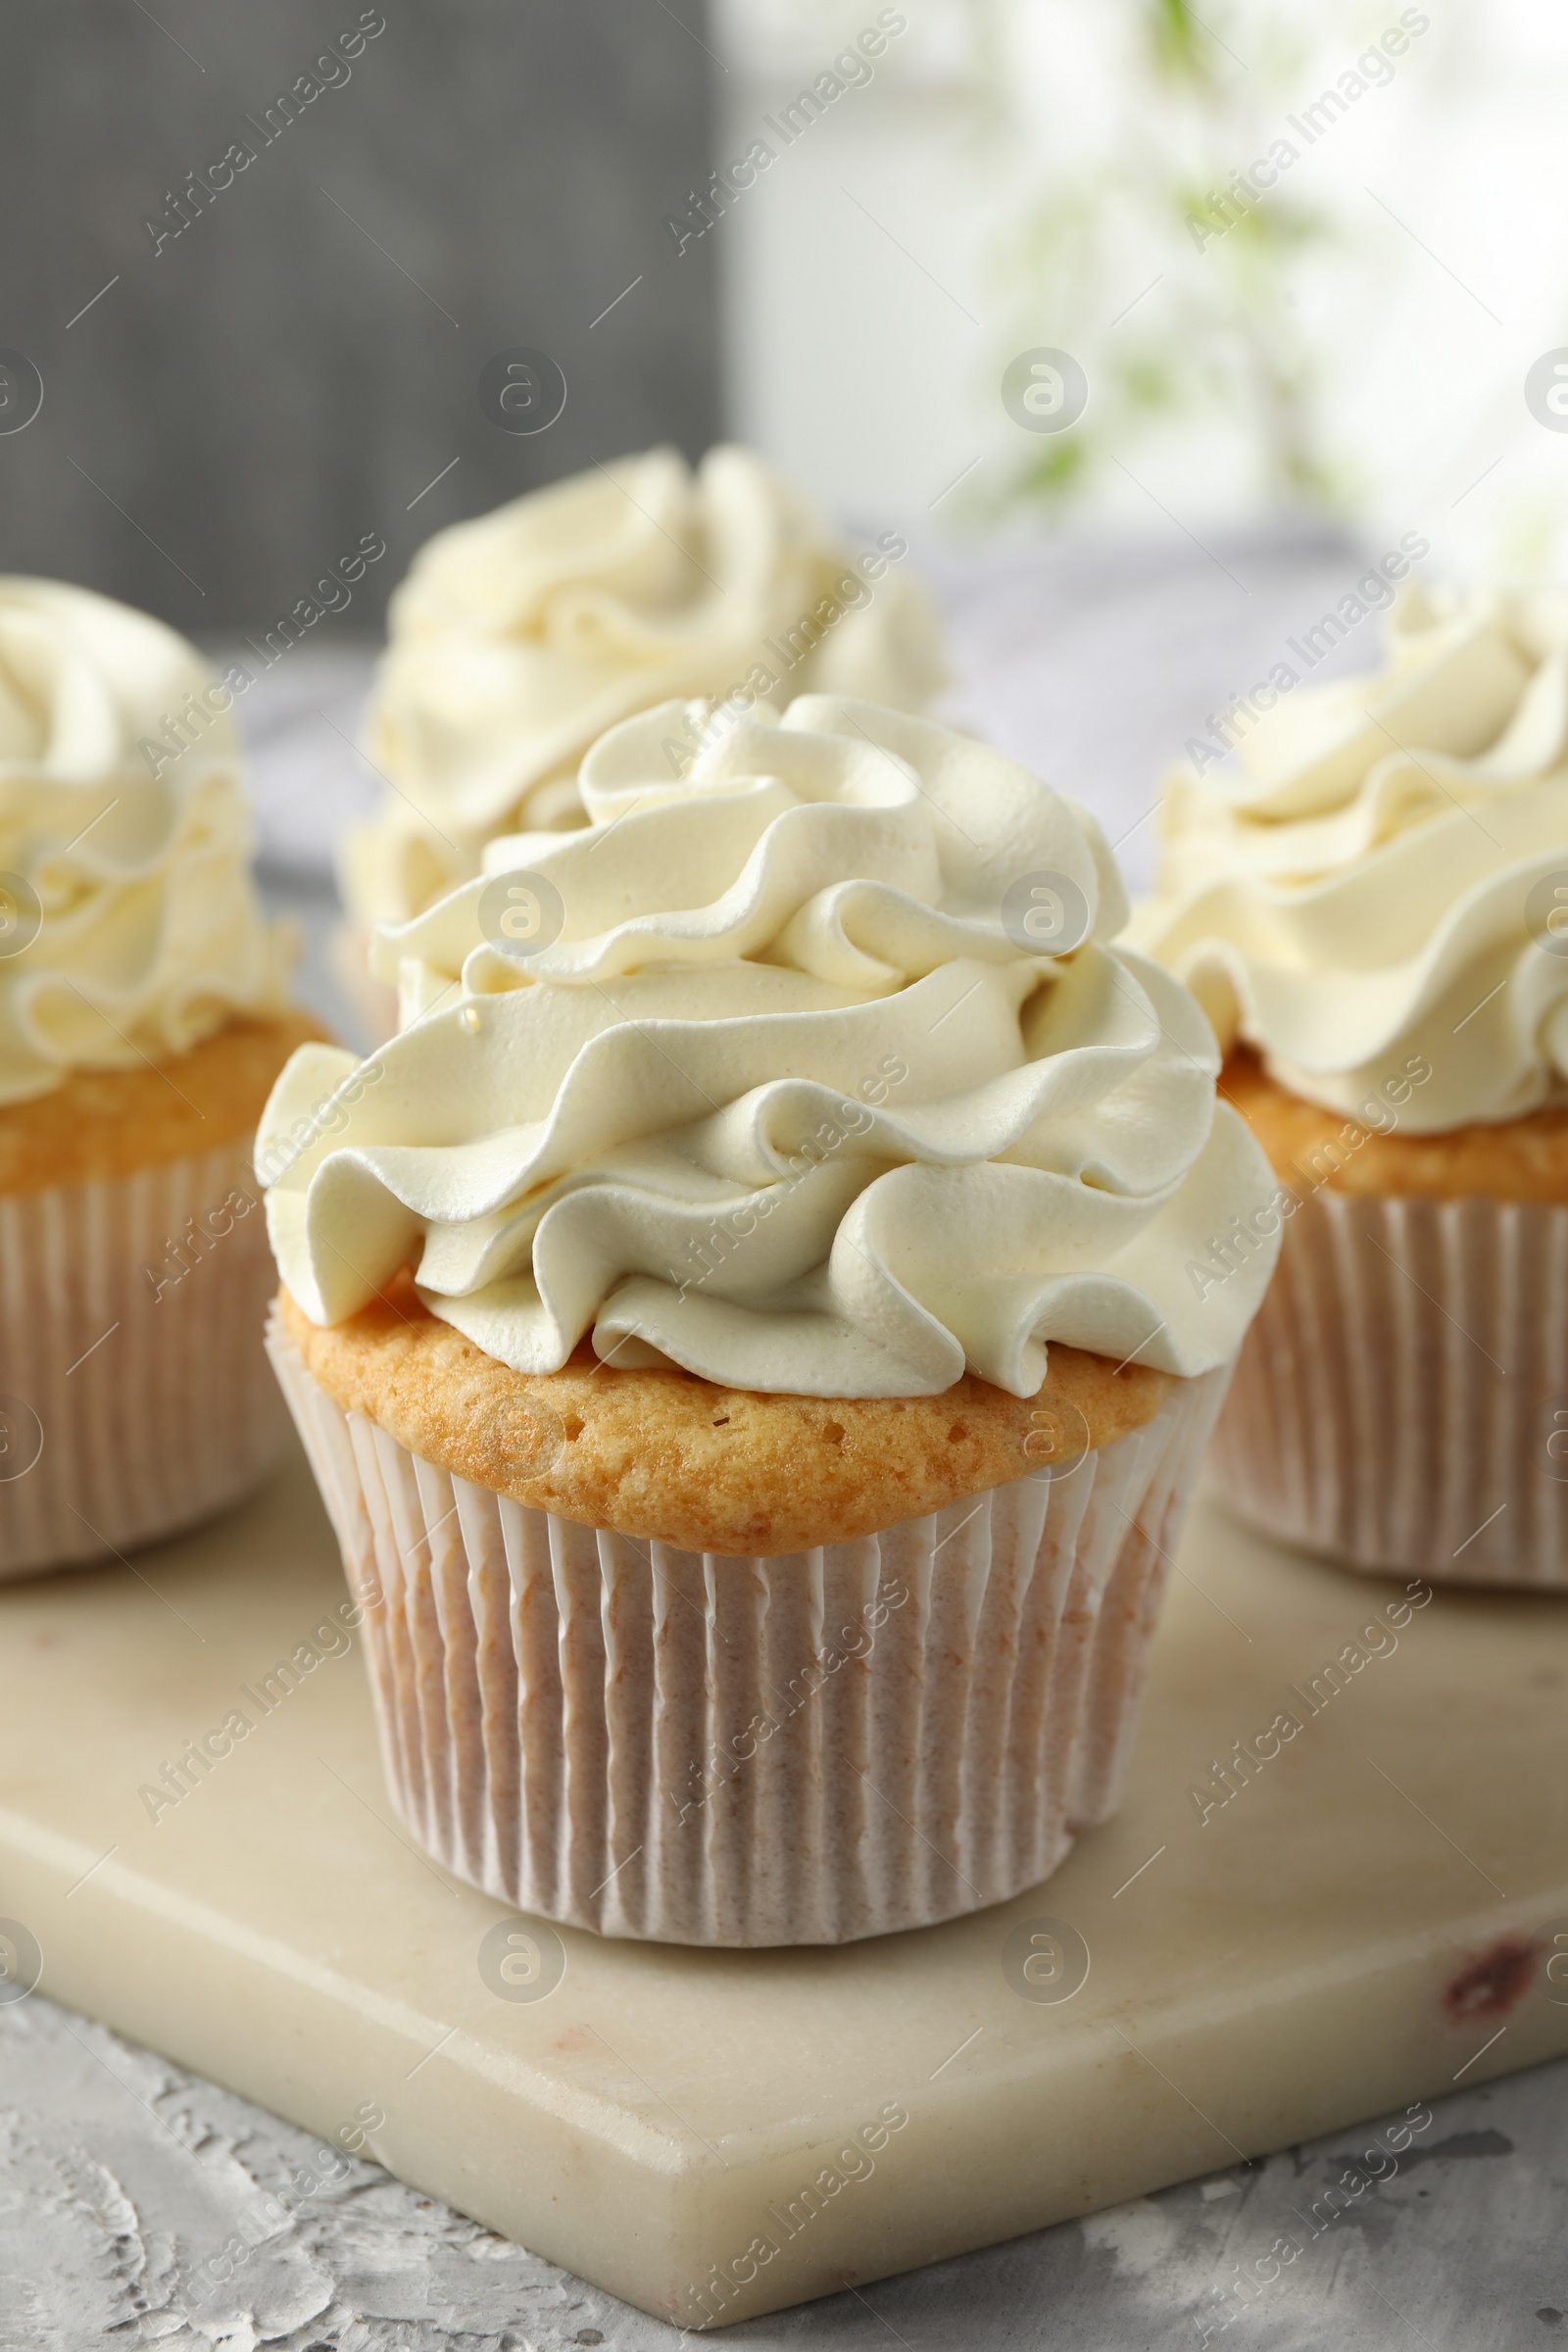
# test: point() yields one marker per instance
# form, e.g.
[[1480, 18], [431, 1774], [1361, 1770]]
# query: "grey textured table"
[[120, 2173]]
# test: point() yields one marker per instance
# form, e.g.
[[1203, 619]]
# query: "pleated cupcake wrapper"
[[125, 1416], [656, 1743], [1401, 1398]]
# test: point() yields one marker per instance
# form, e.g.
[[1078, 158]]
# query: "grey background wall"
[[295, 365]]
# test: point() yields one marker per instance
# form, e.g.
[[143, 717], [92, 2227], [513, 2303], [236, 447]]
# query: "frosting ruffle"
[[1385, 884], [129, 929], [774, 1082], [519, 638]]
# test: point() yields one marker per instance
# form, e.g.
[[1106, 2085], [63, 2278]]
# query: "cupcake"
[[517, 639], [1373, 910], [143, 1020], [743, 1334]]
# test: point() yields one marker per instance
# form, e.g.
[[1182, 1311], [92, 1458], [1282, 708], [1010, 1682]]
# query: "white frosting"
[[147, 935], [1376, 890], [517, 639], [784, 1103]]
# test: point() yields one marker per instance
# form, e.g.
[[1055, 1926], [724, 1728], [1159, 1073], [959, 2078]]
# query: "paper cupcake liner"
[[1401, 1398], [125, 1413], [656, 1743]]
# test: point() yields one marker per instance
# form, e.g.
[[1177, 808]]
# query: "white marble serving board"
[[711, 2135]]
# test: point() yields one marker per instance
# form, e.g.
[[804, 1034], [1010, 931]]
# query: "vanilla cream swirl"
[[129, 928], [1386, 880], [517, 639], [776, 1090]]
